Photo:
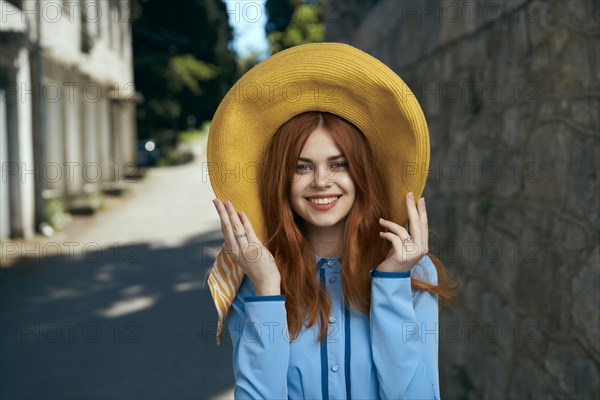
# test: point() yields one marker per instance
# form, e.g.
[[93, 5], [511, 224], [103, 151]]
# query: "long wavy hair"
[[307, 301]]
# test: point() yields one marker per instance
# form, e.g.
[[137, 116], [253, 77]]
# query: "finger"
[[397, 244], [395, 228], [238, 228], [255, 246], [424, 224], [223, 216], [413, 219], [248, 227], [225, 225], [398, 231], [411, 248]]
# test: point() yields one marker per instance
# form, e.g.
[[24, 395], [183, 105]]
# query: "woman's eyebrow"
[[328, 158]]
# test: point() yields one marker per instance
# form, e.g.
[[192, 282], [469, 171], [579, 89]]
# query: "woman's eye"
[[306, 167], [302, 167], [340, 165]]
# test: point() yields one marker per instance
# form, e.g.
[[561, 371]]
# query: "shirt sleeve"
[[404, 334], [258, 329]]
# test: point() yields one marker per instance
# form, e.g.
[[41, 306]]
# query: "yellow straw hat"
[[331, 77]]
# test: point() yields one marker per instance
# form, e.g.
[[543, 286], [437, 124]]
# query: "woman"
[[333, 297]]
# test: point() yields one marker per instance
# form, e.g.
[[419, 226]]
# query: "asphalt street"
[[114, 307]]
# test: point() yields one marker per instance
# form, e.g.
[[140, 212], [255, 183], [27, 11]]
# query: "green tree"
[[293, 22], [183, 63], [247, 62]]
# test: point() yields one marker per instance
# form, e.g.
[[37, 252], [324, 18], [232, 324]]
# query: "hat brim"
[[332, 77]]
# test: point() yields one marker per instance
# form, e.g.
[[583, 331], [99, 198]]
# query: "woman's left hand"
[[406, 250]]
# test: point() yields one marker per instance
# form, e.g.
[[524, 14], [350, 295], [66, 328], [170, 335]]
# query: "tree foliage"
[[183, 64], [293, 22], [187, 72]]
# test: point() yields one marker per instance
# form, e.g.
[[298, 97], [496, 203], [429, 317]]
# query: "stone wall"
[[511, 93]]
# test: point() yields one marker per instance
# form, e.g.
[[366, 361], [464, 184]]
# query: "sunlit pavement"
[[123, 314]]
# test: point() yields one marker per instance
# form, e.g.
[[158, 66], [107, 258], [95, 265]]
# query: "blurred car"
[[147, 154]]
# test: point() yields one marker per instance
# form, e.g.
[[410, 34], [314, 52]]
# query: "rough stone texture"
[[511, 92]]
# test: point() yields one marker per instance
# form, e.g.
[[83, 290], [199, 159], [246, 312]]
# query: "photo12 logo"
[[68, 11], [70, 92], [68, 171], [56, 252], [71, 332]]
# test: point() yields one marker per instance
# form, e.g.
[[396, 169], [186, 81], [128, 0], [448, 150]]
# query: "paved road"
[[124, 315]]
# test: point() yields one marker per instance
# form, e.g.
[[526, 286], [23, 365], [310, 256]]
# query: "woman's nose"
[[321, 177]]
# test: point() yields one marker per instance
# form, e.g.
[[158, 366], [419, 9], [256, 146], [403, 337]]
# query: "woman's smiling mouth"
[[322, 204]]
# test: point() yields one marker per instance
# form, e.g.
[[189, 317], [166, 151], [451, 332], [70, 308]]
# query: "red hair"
[[307, 301]]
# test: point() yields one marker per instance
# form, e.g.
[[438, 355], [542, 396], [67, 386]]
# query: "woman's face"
[[319, 173]]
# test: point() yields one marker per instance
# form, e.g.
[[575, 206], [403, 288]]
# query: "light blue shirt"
[[391, 355]]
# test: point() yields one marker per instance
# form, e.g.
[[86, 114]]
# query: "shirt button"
[[330, 263], [334, 368], [332, 319], [332, 279]]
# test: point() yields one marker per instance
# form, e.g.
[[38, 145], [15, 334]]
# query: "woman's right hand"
[[250, 254]]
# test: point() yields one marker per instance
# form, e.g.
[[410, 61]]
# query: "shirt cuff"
[[280, 297], [380, 274]]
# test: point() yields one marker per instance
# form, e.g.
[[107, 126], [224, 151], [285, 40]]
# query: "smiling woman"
[[322, 287], [322, 192]]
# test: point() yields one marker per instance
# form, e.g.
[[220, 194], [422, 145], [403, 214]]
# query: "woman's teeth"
[[323, 201]]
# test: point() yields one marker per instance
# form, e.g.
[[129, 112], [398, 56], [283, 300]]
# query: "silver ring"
[[407, 240], [239, 236]]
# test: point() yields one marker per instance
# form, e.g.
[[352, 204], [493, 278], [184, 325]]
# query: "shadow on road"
[[126, 322]]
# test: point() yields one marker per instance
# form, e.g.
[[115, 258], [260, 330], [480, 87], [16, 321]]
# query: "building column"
[[18, 170], [5, 215]]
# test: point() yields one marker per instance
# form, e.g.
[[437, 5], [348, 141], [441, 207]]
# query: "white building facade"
[[67, 109]]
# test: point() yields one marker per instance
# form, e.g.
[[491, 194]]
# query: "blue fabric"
[[401, 362], [348, 354], [264, 298], [375, 273], [324, 358]]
